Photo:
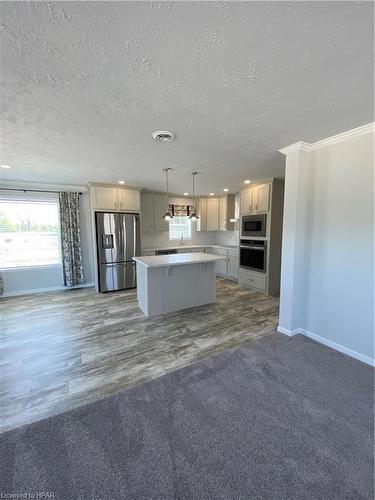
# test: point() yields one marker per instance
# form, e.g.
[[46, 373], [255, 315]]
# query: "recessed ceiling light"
[[247, 181], [186, 194], [163, 136], [211, 194], [4, 166], [121, 182], [225, 190]]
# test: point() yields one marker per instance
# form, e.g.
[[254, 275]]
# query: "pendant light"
[[193, 216], [167, 216]]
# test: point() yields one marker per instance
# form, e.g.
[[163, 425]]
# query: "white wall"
[[327, 289], [27, 280]]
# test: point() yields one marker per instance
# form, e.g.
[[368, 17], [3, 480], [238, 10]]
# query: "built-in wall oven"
[[253, 255], [253, 225]]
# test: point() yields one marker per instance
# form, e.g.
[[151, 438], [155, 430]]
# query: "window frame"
[[31, 197], [188, 221]]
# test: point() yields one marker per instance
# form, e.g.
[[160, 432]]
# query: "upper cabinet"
[[128, 199], [115, 199], [201, 224], [256, 199], [261, 198], [104, 198], [215, 213], [246, 201], [153, 207], [147, 211], [212, 214]]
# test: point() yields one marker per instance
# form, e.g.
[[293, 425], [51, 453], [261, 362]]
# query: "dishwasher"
[[170, 251]]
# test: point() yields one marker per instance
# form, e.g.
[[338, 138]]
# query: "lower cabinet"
[[228, 267], [221, 267], [233, 265], [253, 279]]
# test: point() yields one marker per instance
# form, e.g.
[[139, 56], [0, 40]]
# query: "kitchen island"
[[167, 283]]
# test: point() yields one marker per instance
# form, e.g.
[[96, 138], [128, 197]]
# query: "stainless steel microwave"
[[253, 225]]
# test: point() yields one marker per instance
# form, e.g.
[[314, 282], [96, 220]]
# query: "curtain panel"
[[71, 239], [180, 210]]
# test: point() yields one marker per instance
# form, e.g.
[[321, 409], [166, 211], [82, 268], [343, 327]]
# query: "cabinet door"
[[128, 199], [233, 266], [246, 201], [261, 198], [212, 214], [105, 198], [221, 267], [160, 207], [223, 214], [201, 224], [147, 211]]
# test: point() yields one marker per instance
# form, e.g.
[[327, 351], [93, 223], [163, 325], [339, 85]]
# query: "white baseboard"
[[284, 331], [43, 290], [328, 343]]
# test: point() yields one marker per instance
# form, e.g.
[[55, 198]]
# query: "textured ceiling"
[[84, 84]]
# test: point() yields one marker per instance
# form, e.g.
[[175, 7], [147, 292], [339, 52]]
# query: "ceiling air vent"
[[163, 136]]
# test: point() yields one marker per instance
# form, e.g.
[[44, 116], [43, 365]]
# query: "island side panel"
[[179, 287], [142, 288]]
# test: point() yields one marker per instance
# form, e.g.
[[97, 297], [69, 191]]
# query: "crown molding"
[[334, 139], [297, 146]]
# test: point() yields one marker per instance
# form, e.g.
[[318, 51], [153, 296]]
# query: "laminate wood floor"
[[63, 349]]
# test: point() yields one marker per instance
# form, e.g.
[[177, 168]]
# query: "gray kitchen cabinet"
[[147, 211], [153, 207], [160, 207]]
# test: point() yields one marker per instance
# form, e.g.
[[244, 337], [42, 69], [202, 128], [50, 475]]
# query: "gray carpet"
[[278, 418]]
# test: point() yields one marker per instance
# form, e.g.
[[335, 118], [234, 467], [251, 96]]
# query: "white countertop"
[[181, 247], [178, 259]]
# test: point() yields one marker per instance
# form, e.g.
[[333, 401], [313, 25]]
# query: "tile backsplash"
[[154, 239], [226, 238]]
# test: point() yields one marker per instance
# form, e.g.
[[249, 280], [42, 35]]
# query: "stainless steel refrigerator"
[[118, 241]]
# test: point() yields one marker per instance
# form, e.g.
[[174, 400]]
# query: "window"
[[180, 226], [29, 232]]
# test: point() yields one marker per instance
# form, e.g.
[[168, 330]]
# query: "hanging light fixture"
[[193, 216], [167, 216]]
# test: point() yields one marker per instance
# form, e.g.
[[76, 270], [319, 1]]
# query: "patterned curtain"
[[71, 239], [180, 210]]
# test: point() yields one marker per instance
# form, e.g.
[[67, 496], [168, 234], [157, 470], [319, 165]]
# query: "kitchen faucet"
[[182, 240]]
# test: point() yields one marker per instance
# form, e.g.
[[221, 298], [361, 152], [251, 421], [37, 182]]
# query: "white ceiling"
[[85, 84]]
